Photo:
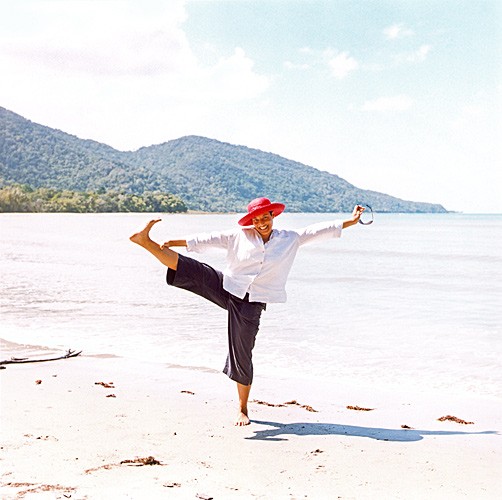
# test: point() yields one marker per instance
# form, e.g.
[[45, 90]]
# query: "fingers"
[[358, 210]]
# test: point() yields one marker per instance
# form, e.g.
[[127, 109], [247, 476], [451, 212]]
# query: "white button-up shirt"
[[257, 268]]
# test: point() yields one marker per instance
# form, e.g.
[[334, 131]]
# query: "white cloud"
[[233, 78], [117, 42], [108, 37], [341, 64], [124, 68], [420, 54], [397, 31], [384, 104]]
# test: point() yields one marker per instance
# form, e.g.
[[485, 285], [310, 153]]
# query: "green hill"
[[206, 174]]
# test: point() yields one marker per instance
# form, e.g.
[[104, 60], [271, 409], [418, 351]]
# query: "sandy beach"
[[106, 427]]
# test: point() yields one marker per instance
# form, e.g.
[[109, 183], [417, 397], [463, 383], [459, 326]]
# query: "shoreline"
[[68, 436], [404, 385]]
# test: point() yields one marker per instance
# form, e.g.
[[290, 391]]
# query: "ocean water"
[[410, 301]]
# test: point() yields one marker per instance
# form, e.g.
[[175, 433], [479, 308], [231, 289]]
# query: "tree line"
[[23, 198]]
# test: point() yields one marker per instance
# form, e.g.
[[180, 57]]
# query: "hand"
[[356, 215], [173, 243], [166, 244], [357, 212]]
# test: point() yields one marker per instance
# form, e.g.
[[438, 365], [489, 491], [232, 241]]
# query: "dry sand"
[[65, 438]]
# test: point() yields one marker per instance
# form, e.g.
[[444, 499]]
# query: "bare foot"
[[142, 236], [242, 419]]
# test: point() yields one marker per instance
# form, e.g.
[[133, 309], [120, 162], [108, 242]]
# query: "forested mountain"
[[206, 174]]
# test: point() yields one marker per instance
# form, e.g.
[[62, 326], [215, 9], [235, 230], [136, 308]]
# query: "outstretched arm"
[[356, 215]]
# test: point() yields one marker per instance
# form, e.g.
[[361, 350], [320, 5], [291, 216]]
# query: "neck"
[[264, 237]]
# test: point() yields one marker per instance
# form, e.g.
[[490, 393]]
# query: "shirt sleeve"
[[205, 242], [321, 231]]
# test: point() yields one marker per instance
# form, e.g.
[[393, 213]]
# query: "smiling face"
[[263, 224]]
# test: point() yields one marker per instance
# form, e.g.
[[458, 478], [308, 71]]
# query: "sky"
[[398, 96]]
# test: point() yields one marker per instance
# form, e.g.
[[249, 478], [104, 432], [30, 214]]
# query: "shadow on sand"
[[279, 430]]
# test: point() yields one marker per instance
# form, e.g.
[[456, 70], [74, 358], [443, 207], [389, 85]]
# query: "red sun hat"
[[259, 206]]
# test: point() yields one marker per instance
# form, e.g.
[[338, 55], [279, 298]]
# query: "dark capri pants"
[[243, 316]]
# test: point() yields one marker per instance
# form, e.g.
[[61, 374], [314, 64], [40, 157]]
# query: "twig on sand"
[[69, 354]]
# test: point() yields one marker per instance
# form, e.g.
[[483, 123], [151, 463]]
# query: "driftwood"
[[69, 354]]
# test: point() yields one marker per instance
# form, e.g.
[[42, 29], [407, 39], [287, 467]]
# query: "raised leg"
[[142, 238], [242, 417]]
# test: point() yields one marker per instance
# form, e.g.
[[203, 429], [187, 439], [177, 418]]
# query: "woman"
[[259, 259]]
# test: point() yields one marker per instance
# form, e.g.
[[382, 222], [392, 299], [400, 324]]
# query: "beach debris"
[[48, 438], [451, 418], [188, 392], [283, 405], [359, 408], [404, 426], [139, 462], [172, 485], [266, 404], [29, 488], [111, 396], [306, 407], [309, 408], [38, 382], [203, 496], [293, 402], [316, 452], [69, 354], [104, 384]]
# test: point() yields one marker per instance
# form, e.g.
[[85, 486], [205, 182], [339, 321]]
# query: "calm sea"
[[410, 301]]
